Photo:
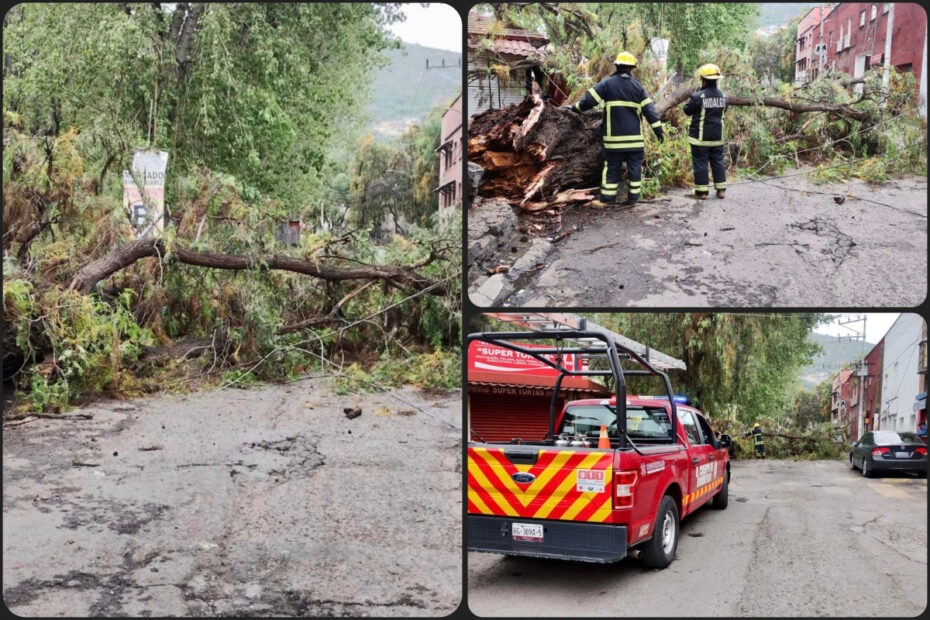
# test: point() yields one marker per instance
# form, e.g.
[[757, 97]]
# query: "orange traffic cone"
[[603, 441]]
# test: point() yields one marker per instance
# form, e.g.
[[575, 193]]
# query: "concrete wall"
[[900, 381]]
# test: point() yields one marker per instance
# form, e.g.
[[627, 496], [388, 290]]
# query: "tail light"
[[922, 451], [880, 451], [626, 480]]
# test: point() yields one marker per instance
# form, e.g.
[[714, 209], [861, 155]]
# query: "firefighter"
[[757, 441], [706, 107], [625, 103]]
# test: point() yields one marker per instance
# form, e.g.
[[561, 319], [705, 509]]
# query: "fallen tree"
[[537, 156], [120, 258]]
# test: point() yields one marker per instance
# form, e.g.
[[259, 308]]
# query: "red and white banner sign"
[[491, 357]]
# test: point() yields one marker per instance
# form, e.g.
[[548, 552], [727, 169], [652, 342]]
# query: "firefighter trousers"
[[610, 177], [700, 155]]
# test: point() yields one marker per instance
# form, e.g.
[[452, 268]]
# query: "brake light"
[[880, 451], [626, 480], [921, 451]]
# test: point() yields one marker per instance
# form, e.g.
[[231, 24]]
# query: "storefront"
[[509, 393]]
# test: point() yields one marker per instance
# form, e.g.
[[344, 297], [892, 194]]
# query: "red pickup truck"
[[564, 497]]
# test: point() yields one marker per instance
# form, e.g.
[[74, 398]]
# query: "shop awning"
[[575, 384], [920, 401]]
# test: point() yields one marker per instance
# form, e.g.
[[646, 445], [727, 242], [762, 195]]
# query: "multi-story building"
[[855, 34], [807, 60], [900, 378], [450, 153], [920, 402]]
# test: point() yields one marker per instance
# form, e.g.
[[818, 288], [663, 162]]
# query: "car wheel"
[[852, 463], [866, 473], [660, 550], [722, 498]]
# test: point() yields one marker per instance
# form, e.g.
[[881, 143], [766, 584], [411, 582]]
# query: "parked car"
[[889, 451]]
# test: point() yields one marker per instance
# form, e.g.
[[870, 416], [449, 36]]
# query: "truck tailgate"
[[565, 484]]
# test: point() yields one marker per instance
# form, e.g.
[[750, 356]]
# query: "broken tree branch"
[[95, 271]]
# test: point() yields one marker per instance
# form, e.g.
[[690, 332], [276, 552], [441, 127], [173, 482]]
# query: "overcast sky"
[[435, 25], [876, 325]]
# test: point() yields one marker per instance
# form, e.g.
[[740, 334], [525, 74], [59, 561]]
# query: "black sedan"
[[889, 451]]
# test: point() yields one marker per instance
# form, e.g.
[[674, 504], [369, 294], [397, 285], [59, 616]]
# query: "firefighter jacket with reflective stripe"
[[625, 103], [706, 108], [757, 436]]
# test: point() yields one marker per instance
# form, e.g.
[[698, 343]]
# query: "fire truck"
[[612, 477]]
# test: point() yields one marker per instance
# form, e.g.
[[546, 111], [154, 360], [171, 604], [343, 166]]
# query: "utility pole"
[[886, 74], [862, 369], [820, 46]]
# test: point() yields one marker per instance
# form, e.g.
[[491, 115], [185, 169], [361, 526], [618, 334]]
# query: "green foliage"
[[439, 370], [91, 342], [396, 181], [739, 367], [239, 96], [259, 110]]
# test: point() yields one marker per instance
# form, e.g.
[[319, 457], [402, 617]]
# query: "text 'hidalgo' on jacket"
[[625, 103], [706, 108]]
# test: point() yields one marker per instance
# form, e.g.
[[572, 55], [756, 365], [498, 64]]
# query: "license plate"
[[902, 455], [527, 532]]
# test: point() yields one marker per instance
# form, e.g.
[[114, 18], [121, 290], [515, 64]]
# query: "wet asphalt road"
[[798, 539], [265, 501], [765, 244]]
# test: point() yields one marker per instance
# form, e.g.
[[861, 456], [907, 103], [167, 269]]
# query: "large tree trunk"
[[95, 271], [537, 156]]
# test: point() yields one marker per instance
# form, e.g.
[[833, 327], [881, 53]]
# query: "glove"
[[660, 134], [571, 108]]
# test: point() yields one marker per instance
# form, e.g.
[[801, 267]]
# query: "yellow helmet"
[[710, 71], [625, 58], [756, 425]]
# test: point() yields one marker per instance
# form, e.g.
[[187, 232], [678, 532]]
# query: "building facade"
[[510, 393], [450, 152], [855, 34], [806, 61], [503, 63], [900, 378]]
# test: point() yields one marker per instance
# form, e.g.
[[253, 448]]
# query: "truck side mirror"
[[726, 441]]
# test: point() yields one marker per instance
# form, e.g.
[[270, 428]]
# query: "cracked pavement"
[[799, 538], [773, 243], [258, 502]]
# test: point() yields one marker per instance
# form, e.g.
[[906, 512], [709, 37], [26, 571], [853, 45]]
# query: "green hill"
[[835, 354], [779, 14], [405, 91]]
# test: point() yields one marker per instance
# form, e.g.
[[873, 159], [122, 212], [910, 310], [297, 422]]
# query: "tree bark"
[[95, 271], [832, 108], [537, 156]]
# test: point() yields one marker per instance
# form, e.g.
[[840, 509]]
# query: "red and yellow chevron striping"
[[710, 487], [551, 495]]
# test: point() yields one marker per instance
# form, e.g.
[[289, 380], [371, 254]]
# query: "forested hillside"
[[780, 13], [404, 91], [835, 353], [249, 101]]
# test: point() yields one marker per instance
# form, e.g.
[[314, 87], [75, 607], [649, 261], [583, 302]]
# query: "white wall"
[[900, 382]]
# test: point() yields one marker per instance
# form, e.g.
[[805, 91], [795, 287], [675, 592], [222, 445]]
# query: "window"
[[831, 38], [690, 427], [839, 41], [641, 422], [848, 32], [862, 19], [874, 12], [885, 6]]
